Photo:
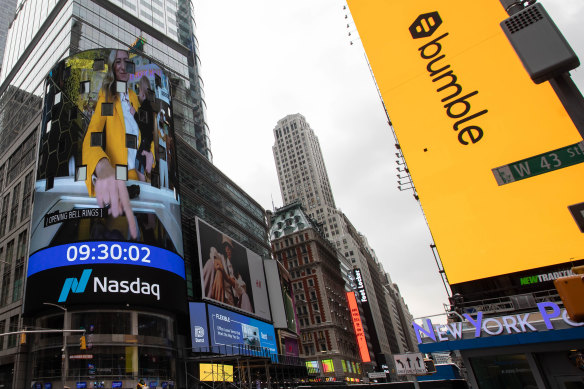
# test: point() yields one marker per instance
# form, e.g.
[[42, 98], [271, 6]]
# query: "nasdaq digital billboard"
[[106, 215], [492, 155], [230, 273], [231, 329]]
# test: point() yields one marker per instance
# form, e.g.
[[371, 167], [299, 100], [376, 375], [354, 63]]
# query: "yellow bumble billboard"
[[494, 157]]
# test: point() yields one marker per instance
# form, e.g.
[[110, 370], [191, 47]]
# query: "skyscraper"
[[47, 43], [303, 177], [7, 10], [301, 169], [45, 31]]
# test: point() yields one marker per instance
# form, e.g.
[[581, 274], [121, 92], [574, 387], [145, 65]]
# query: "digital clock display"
[[89, 253]]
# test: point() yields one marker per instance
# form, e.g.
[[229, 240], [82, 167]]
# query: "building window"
[[17, 285], [4, 216], [2, 330], [5, 287], [12, 327], [21, 249], [14, 209]]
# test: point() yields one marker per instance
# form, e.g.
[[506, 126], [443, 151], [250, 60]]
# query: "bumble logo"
[[457, 102], [425, 25]]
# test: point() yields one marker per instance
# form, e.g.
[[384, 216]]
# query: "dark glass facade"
[[210, 195], [124, 344]]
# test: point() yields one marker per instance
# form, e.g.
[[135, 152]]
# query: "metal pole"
[[416, 385], [565, 88], [64, 349]]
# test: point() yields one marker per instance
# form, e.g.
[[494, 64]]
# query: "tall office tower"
[[327, 340], [403, 318], [7, 10], [52, 54], [45, 31], [301, 170], [302, 176]]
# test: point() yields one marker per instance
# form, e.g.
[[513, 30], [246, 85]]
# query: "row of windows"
[[10, 258], [10, 325], [305, 321]]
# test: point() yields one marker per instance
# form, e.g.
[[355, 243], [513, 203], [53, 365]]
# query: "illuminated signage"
[[358, 327], [230, 273], [480, 326], [112, 284], [360, 286], [237, 332], [95, 253], [458, 115], [327, 366], [215, 372], [313, 367], [106, 217], [545, 277]]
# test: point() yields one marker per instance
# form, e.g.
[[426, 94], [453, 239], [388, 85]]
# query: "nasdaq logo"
[[74, 285]]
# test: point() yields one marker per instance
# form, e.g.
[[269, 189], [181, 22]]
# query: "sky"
[[265, 59]]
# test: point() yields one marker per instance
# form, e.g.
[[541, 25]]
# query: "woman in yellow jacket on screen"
[[120, 128]]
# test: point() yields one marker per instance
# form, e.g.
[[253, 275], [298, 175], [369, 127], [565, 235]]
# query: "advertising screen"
[[313, 367], [358, 327], [215, 372], [273, 282], [106, 216], [199, 330], [494, 157], [230, 273], [360, 286], [230, 328], [327, 366]]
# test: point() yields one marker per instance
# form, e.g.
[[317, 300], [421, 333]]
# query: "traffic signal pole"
[[565, 88]]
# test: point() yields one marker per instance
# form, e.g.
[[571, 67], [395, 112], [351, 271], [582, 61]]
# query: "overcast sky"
[[265, 59]]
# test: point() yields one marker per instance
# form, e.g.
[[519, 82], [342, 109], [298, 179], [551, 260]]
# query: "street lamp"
[[64, 349]]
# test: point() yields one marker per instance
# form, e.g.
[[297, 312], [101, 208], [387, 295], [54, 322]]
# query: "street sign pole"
[[540, 164]]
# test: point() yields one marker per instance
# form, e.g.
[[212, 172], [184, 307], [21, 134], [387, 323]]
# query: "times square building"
[[122, 283]]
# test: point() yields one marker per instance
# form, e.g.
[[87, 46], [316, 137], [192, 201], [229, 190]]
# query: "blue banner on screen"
[[232, 329], [199, 330], [93, 253]]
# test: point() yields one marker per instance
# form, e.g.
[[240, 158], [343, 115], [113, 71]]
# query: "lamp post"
[[64, 349]]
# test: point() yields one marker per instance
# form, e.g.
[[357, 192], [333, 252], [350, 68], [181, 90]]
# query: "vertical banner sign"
[[360, 286], [494, 157], [358, 327]]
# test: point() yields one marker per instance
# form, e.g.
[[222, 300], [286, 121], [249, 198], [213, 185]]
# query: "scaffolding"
[[252, 368]]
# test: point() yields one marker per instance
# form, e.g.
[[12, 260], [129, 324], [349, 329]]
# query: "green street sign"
[[540, 164]]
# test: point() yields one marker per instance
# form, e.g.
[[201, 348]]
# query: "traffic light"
[[82, 344], [23, 338], [430, 367]]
